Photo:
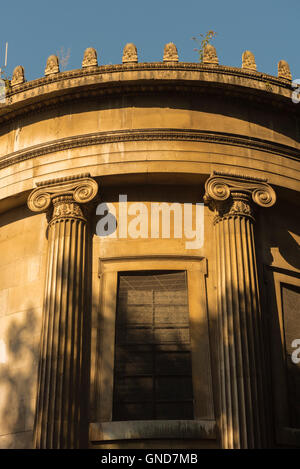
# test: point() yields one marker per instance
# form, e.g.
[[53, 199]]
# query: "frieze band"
[[189, 135]]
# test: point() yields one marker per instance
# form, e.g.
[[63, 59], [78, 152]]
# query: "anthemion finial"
[[52, 65], [210, 55], [90, 58], [129, 54], [170, 53], [18, 76], [284, 70], [248, 60]]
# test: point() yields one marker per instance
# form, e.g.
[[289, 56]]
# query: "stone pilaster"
[[242, 376], [57, 421]]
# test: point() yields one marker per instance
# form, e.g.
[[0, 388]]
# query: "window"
[[283, 325], [291, 320], [150, 357], [153, 372]]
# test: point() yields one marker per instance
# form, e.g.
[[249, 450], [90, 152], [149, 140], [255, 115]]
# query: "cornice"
[[135, 67], [189, 135], [142, 78]]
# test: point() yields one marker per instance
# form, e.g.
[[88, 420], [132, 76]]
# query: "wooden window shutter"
[[153, 375]]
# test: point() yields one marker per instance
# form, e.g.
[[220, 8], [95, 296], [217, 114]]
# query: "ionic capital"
[[63, 196], [235, 195]]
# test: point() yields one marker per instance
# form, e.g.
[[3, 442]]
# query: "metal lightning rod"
[[5, 58], [6, 48]]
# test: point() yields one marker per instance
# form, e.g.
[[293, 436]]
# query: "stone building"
[[117, 331]]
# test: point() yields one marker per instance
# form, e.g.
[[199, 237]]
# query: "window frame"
[[276, 278], [102, 427]]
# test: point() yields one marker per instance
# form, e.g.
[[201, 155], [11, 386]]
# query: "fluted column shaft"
[[242, 376], [58, 419]]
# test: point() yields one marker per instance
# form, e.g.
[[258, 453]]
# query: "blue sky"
[[35, 29]]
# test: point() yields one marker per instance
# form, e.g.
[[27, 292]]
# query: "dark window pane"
[[132, 363], [130, 336], [179, 363], [171, 411], [134, 389], [126, 411], [177, 388]]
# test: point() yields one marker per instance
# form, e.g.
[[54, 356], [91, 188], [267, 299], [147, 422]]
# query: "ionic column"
[[243, 391], [57, 419]]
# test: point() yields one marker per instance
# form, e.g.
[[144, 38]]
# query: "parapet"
[[168, 72], [170, 56]]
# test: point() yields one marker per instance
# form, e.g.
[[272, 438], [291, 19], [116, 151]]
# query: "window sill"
[[152, 429]]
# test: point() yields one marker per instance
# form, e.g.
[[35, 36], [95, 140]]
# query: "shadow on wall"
[[280, 228], [289, 248], [18, 376]]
